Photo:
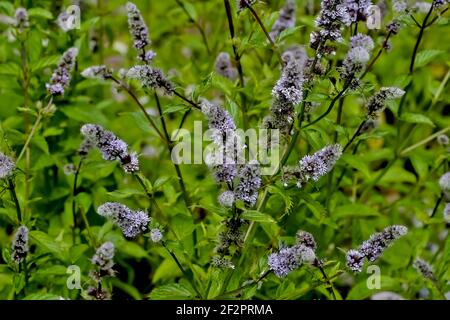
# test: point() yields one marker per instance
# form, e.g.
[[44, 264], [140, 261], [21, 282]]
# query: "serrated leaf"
[[257, 216], [416, 118], [173, 291], [426, 56]]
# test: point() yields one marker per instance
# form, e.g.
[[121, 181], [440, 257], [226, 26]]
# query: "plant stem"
[[249, 284], [424, 141], [196, 24], [192, 103], [133, 96], [436, 206], [261, 24], [74, 191], [355, 135], [237, 58], [419, 38], [174, 257], [319, 265], [12, 192]]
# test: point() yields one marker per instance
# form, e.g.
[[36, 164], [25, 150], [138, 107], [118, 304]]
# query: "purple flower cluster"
[[288, 91], [374, 247], [357, 57], [231, 235], [21, 19], [111, 147], [358, 9], [224, 67], [7, 166], [424, 268], [285, 21], [377, 102], [333, 16], [249, 183], [97, 72], [313, 166], [104, 259], [131, 222], [139, 32], [288, 259], [20, 245], [60, 79], [151, 78]]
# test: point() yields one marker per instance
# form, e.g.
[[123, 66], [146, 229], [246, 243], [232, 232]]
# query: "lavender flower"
[[374, 247], [357, 57], [358, 9], [333, 15], [111, 147], [424, 268], [219, 119], [355, 260], [399, 6], [69, 169], [222, 263], [224, 67], [290, 258], [447, 212], [98, 293], [131, 222], [7, 166], [439, 3], [306, 239], [60, 79], [249, 183], [289, 87], [285, 21], [377, 102], [314, 166], [393, 27], [232, 235], [444, 182], [442, 140], [20, 245], [227, 198], [104, 257], [21, 19], [288, 91], [151, 78], [386, 295], [97, 72], [156, 235], [137, 27]]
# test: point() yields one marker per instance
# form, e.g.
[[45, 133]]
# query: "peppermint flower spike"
[[249, 183], [332, 17], [156, 235], [97, 72], [131, 222], [7, 166], [377, 103], [286, 19], [289, 259], [60, 79], [424, 268], [104, 256], [224, 67], [444, 182], [21, 19], [306, 239], [358, 9], [227, 198], [314, 166], [447, 213], [20, 245], [374, 247], [111, 147], [151, 78], [138, 28], [289, 87]]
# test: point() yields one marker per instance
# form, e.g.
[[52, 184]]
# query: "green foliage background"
[[339, 219]]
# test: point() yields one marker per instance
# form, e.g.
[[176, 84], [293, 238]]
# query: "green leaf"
[[45, 241], [9, 68], [40, 13], [426, 56], [125, 193], [174, 109], [354, 210], [132, 249], [171, 292], [416, 118], [45, 62], [257, 216]]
